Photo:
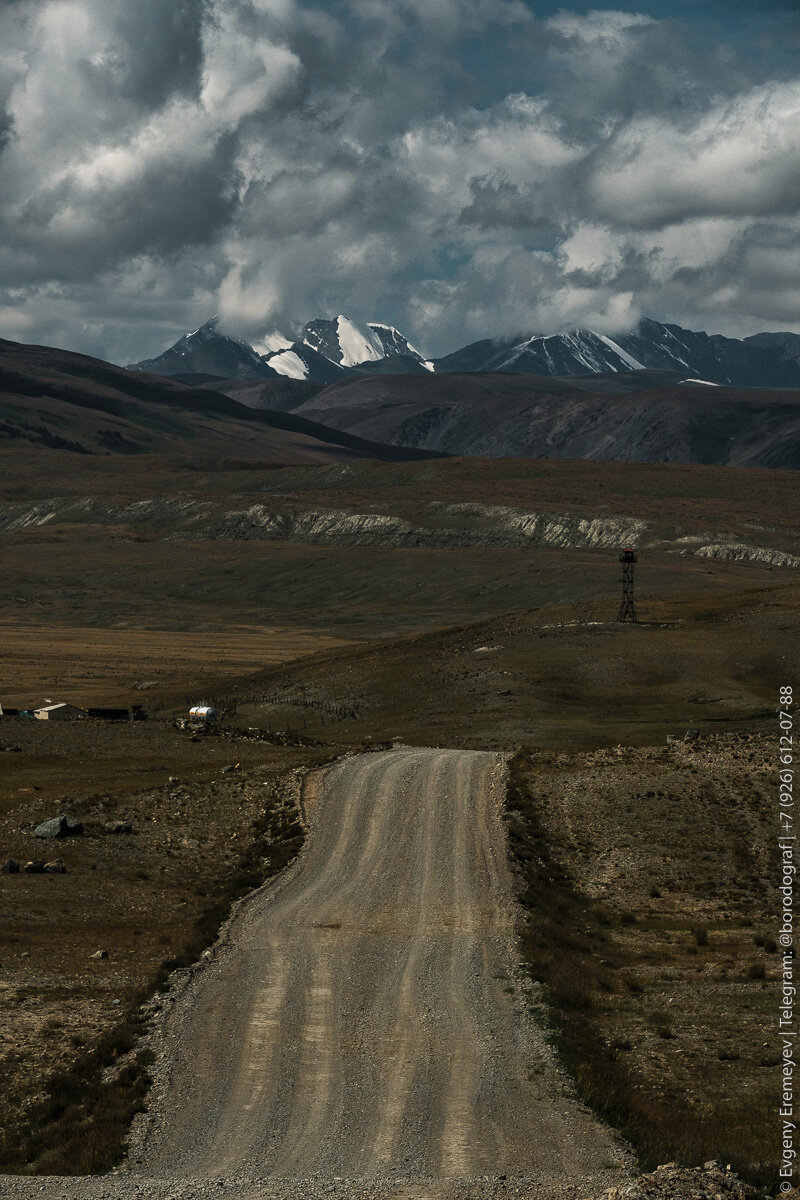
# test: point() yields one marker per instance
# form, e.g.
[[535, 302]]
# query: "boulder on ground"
[[9, 867], [34, 868], [59, 827], [56, 867], [99, 954]]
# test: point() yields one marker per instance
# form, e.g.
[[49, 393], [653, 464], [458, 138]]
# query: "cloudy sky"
[[459, 168]]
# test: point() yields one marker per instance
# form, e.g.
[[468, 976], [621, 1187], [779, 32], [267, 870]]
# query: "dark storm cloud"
[[459, 167], [497, 204], [162, 48]]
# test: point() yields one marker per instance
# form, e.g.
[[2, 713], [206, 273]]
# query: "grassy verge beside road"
[[647, 876], [72, 1077]]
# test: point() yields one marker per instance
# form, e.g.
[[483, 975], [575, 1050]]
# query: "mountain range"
[[330, 351], [57, 400], [327, 351]]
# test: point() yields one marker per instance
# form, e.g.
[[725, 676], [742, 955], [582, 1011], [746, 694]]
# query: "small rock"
[[56, 867], [711, 1165], [99, 954], [691, 735], [34, 868], [173, 779], [9, 867], [59, 827], [234, 767], [116, 1003], [118, 827]]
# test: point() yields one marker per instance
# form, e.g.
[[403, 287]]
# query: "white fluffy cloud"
[[274, 161], [740, 157]]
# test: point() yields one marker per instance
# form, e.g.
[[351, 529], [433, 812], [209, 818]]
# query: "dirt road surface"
[[363, 1026]]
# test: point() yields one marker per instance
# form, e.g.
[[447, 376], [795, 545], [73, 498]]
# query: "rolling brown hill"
[[64, 401], [492, 415]]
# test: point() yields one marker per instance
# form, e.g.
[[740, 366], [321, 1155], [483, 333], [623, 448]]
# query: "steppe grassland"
[[120, 666], [493, 647]]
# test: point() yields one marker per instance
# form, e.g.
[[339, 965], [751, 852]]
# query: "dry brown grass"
[[120, 666], [482, 647], [561, 676], [153, 899], [650, 878]]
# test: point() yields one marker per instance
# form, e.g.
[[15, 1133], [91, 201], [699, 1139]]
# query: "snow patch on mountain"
[[628, 359], [272, 343], [357, 345], [288, 363]]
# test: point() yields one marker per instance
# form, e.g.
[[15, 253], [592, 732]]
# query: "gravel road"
[[363, 1029]]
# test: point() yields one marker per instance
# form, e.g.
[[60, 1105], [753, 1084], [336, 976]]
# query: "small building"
[[203, 712], [108, 714], [58, 712]]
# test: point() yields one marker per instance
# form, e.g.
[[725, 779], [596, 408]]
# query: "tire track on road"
[[354, 1024]]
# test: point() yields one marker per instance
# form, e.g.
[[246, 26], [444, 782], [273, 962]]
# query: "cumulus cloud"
[[276, 160], [737, 158]]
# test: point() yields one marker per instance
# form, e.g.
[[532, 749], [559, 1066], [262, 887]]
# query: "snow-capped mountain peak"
[[342, 341], [350, 345], [329, 350], [578, 352], [208, 350], [395, 343]]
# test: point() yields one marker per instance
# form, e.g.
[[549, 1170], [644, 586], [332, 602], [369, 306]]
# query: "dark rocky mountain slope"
[[516, 415], [66, 401]]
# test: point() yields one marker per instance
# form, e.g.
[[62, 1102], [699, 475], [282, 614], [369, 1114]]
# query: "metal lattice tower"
[[627, 611]]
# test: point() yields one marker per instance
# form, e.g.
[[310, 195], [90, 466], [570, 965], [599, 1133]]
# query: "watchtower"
[[627, 611]]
